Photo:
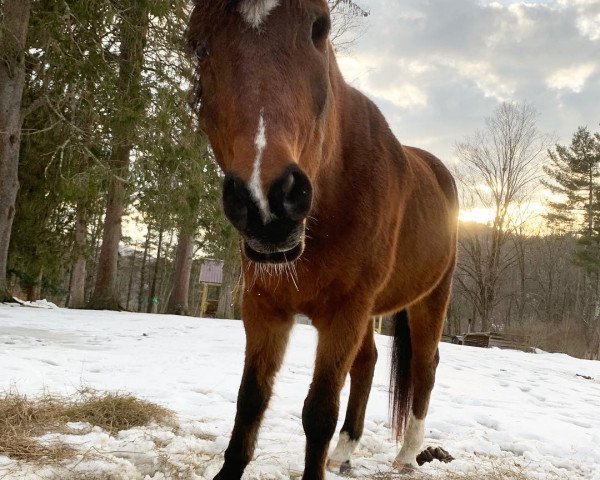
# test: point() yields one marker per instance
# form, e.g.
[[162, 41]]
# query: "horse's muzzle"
[[273, 227], [283, 256]]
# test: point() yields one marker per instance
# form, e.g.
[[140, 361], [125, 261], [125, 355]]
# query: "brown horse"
[[339, 222]]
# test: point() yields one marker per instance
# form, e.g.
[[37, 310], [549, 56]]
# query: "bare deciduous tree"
[[347, 23], [499, 170]]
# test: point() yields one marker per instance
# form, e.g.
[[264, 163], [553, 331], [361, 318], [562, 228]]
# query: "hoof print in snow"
[[430, 454]]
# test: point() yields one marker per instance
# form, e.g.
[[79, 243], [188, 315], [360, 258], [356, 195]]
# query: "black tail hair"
[[400, 375]]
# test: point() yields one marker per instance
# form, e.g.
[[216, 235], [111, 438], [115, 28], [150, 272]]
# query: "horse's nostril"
[[288, 184], [290, 196], [235, 201]]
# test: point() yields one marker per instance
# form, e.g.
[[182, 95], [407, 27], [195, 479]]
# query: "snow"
[[491, 406], [36, 304]]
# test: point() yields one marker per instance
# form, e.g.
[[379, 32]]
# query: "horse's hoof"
[[430, 454], [345, 467], [339, 466]]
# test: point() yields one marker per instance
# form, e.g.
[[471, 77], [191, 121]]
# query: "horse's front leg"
[[267, 332], [340, 338]]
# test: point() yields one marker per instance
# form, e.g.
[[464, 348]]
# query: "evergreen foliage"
[[574, 173]]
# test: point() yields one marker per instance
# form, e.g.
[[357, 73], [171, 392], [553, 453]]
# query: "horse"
[[338, 221]]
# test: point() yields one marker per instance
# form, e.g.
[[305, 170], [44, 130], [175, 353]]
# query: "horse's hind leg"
[[426, 321], [361, 378], [267, 333]]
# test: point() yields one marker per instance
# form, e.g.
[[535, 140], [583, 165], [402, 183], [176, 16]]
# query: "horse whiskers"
[[264, 271], [293, 274]]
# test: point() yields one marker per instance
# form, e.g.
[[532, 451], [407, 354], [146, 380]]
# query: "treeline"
[[530, 271], [97, 131]]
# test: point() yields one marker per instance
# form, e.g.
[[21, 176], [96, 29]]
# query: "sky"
[[437, 68]]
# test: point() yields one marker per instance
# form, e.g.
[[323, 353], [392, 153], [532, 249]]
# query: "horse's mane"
[[229, 5], [226, 5]]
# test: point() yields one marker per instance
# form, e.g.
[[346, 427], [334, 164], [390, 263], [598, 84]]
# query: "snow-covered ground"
[[488, 407]]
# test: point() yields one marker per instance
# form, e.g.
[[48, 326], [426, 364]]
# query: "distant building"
[[211, 278]]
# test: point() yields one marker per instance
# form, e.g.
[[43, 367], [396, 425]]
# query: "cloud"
[[403, 95], [436, 68], [572, 78]]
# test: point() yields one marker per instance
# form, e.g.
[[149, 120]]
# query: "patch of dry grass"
[[114, 412], [22, 420]]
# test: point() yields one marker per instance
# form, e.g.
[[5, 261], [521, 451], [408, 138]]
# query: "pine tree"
[[575, 179], [63, 151], [134, 20]]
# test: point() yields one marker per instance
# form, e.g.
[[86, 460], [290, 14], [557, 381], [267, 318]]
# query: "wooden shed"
[[211, 278]]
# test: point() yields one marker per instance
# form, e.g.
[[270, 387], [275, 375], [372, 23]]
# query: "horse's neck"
[[357, 128]]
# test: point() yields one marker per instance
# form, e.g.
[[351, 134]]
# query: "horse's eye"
[[202, 52], [320, 29]]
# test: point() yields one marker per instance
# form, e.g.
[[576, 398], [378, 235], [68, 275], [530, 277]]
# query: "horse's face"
[[264, 102]]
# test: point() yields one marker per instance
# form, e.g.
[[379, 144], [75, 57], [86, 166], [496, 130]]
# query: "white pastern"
[[344, 449], [413, 441], [256, 11], [255, 185]]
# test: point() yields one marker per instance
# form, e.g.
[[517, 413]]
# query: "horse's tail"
[[400, 375]]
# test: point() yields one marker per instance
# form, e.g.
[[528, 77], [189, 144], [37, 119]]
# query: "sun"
[[477, 215]]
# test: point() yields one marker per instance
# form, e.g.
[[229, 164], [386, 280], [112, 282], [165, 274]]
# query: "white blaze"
[[256, 11], [413, 441], [255, 185]]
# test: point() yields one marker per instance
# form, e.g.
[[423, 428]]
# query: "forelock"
[[210, 15], [254, 12]]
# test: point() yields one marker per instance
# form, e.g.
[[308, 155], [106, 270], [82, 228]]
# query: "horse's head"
[[265, 96]]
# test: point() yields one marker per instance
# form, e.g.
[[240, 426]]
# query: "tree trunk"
[[231, 279], [193, 290], [131, 274], [77, 290], [132, 35], [152, 300], [163, 290], [178, 300], [95, 247], [13, 37], [34, 291], [593, 327], [143, 268], [105, 295]]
